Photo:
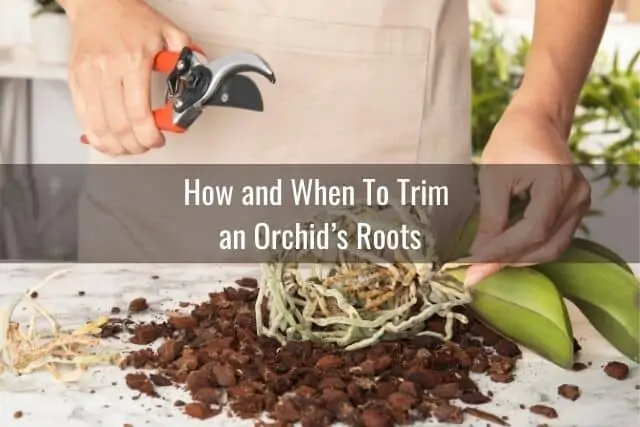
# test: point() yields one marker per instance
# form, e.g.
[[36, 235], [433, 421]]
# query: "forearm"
[[566, 37]]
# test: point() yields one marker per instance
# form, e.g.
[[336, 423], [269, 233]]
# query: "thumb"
[[175, 39], [478, 272], [494, 214]]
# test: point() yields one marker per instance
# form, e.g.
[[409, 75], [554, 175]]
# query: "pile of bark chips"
[[216, 355]]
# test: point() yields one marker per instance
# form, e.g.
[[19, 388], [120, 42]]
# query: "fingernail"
[[473, 276]]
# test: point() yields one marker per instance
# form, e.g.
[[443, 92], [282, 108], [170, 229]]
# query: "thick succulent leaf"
[[601, 250], [524, 306], [464, 238], [612, 327], [607, 294]]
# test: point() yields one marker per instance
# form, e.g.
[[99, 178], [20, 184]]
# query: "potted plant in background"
[[50, 32]]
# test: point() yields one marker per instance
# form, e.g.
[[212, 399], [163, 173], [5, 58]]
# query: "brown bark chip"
[[199, 410], [140, 382], [286, 412], [382, 363], [447, 413], [501, 365], [569, 391], [114, 327], [577, 348], [247, 282], [617, 370], [146, 334], [159, 380], [138, 305], [475, 398], [401, 402], [374, 418], [579, 366], [410, 388], [447, 391], [17, 414], [329, 361], [334, 397], [545, 411], [486, 416], [169, 351], [479, 364], [507, 348], [215, 355], [500, 369], [183, 322], [247, 407], [224, 375], [208, 395], [425, 378], [489, 337], [501, 378], [332, 382], [196, 380], [188, 361]]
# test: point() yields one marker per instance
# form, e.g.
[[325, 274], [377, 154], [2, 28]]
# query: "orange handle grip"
[[163, 117], [164, 62]]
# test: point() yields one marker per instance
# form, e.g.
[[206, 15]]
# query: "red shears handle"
[[164, 62]]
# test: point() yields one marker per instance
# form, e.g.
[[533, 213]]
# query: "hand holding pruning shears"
[[116, 47]]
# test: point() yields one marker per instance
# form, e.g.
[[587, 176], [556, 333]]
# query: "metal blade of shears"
[[237, 91]]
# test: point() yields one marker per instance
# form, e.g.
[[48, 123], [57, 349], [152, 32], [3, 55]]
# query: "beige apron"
[[358, 81]]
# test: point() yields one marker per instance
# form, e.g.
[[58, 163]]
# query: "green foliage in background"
[[608, 110], [47, 6]]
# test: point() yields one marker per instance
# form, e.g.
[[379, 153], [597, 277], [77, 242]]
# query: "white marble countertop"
[[605, 402]]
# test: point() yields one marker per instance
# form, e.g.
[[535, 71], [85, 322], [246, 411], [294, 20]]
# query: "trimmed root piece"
[[26, 351], [363, 297]]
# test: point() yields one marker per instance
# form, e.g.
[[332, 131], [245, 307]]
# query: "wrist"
[[547, 89], [547, 103]]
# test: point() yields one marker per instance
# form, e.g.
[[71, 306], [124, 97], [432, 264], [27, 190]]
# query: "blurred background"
[[37, 123]]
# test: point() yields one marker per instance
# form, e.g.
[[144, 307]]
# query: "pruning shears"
[[193, 85]]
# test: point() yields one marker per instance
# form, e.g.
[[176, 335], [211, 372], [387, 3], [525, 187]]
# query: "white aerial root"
[[359, 301], [23, 352]]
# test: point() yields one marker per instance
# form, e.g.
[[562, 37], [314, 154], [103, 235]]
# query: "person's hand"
[[529, 152], [113, 46]]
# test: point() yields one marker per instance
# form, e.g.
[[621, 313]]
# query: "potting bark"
[[215, 353]]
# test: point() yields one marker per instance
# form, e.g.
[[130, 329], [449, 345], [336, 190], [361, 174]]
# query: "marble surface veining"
[[101, 397]]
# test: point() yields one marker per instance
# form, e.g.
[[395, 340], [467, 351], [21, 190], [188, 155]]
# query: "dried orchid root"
[[23, 352], [361, 298]]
